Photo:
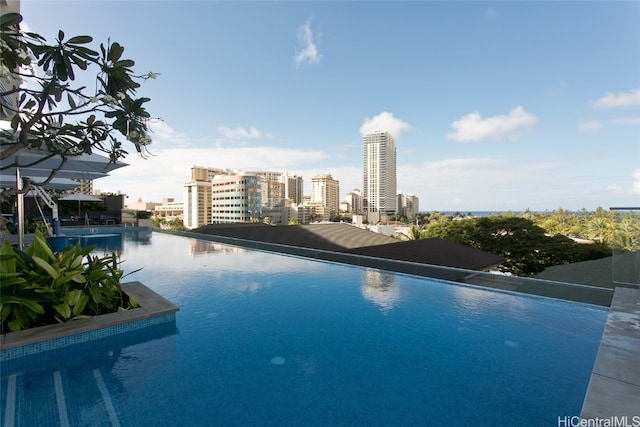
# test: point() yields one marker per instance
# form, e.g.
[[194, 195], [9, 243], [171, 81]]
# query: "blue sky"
[[494, 105]]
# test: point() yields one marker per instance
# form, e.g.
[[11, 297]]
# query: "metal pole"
[[20, 210]]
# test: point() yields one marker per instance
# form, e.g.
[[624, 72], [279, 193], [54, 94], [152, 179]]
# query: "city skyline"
[[494, 106]]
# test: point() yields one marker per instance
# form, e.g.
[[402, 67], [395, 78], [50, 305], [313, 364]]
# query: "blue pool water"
[[265, 339]]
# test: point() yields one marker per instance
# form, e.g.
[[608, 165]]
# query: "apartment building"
[[408, 205], [197, 197], [325, 196], [236, 198], [242, 196], [293, 187], [379, 176], [273, 200], [169, 209], [197, 204], [352, 202]]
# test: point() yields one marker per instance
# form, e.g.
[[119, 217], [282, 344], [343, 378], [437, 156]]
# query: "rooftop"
[[345, 238]]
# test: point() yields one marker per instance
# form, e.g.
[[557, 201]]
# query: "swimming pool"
[[267, 339]]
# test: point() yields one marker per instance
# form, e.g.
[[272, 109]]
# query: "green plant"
[[143, 215], [39, 287], [53, 112]]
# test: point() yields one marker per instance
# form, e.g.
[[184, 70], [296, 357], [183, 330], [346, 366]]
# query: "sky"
[[494, 106]]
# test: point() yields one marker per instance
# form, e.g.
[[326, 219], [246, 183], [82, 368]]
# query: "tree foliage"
[[527, 248], [50, 111], [415, 232], [175, 224]]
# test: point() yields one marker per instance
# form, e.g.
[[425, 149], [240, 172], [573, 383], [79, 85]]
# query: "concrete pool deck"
[[614, 388]]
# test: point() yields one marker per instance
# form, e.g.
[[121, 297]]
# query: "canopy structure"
[[40, 163], [81, 197], [9, 181], [37, 165]]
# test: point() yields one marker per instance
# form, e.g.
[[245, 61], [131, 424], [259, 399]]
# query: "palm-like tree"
[[415, 232], [627, 234], [600, 228]]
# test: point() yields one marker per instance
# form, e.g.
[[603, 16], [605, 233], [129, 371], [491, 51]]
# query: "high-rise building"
[[353, 202], [225, 196], [292, 187], [412, 206], [199, 173], [408, 205], [325, 195], [236, 198], [197, 204], [273, 200], [197, 197], [279, 190], [379, 161], [85, 186]]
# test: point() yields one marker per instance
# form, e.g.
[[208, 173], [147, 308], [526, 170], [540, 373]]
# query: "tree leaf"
[[9, 19], [80, 305], [124, 63], [33, 306], [71, 101], [15, 325], [45, 266], [73, 297], [115, 52], [63, 309], [80, 40]]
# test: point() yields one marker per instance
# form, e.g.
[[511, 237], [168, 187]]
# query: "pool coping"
[[151, 305], [614, 387]]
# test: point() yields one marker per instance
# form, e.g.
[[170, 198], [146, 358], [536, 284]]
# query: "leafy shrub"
[[143, 215], [525, 246], [38, 287]]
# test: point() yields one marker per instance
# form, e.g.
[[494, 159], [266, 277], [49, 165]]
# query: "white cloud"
[[164, 135], [618, 100], [385, 122], [307, 52], [239, 132], [595, 125], [633, 189], [487, 184], [633, 121], [473, 127], [589, 126], [635, 186]]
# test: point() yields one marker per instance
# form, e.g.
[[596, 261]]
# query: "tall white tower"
[[379, 161]]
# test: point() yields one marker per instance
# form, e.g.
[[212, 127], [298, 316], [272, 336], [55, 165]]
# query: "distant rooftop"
[[434, 251], [345, 238]]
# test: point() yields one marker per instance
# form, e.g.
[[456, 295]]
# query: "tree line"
[[532, 241]]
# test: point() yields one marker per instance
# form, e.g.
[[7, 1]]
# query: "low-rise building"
[[169, 210]]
